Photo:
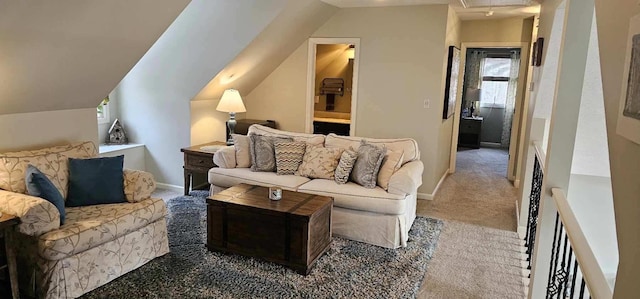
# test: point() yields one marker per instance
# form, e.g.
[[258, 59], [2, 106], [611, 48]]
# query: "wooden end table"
[[294, 231], [197, 161], [7, 225]]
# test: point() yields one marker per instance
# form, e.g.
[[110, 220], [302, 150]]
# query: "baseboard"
[[516, 183], [490, 144], [174, 188], [431, 196], [517, 213]]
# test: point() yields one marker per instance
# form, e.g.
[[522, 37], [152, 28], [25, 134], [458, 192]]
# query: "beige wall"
[[393, 83], [492, 30], [454, 30], [282, 95], [40, 129], [613, 25]]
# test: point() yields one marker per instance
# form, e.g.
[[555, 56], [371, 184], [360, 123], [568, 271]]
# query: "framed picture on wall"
[[451, 86], [628, 124], [536, 53]]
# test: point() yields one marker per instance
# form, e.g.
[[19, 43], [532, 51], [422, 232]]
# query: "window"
[[495, 82], [103, 111]]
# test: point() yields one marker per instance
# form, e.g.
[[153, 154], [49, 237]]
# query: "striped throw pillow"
[[347, 160], [289, 156]]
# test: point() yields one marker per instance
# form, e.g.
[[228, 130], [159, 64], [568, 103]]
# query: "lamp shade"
[[231, 101], [473, 94], [351, 52]]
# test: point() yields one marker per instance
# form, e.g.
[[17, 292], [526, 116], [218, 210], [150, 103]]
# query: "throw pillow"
[[365, 171], [263, 156], [39, 185], [390, 164], [319, 162], [289, 156], [347, 160], [243, 154], [96, 181]]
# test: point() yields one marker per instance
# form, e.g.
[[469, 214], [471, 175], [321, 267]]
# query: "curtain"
[[473, 72], [509, 108]]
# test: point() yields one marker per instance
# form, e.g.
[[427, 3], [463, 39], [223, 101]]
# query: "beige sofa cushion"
[[52, 162], [406, 145], [243, 153], [315, 139], [391, 163], [227, 177], [355, 197], [90, 226]]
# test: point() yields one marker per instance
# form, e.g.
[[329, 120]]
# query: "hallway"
[[477, 193], [478, 255]]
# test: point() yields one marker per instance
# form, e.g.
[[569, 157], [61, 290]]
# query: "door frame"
[[517, 115], [311, 78]]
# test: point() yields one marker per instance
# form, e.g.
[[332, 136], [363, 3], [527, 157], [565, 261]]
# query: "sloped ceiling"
[[57, 55], [298, 20]]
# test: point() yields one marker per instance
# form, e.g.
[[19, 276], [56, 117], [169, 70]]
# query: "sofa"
[[374, 216], [96, 244]]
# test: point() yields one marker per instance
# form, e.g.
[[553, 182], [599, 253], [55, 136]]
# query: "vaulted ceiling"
[[57, 55], [297, 21]]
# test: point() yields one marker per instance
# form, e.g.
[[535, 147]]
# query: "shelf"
[[108, 148]]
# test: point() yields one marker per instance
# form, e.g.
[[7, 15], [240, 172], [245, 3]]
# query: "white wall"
[[591, 200], [545, 76], [59, 55], [154, 98], [41, 129], [402, 63], [591, 153]]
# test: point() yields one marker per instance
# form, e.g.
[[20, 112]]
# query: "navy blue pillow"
[[95, 181], [39, 185]]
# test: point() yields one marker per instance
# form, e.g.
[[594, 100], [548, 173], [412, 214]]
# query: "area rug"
[[349, 269]]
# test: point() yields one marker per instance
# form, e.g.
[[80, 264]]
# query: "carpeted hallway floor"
[[478, 250], [478, 255]]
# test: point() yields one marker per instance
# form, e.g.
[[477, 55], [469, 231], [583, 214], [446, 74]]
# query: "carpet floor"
[[478, 254], [348, 270]]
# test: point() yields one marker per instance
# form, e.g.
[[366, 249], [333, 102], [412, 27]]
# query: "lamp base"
[[231, 124]]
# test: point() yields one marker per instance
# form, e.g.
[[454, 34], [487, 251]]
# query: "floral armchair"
[[96, 244]]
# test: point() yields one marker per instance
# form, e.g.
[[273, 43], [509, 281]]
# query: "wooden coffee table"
[[294, 231]]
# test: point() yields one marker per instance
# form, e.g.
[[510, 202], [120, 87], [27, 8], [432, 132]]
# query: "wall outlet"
[[427, 104]]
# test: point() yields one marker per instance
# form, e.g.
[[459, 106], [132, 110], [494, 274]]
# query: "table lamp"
[[231, 102]]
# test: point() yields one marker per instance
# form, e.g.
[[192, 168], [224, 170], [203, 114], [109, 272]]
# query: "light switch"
[[427, 104]]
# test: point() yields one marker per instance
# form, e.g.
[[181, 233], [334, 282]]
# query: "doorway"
[[332, 80], [488, 116]]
